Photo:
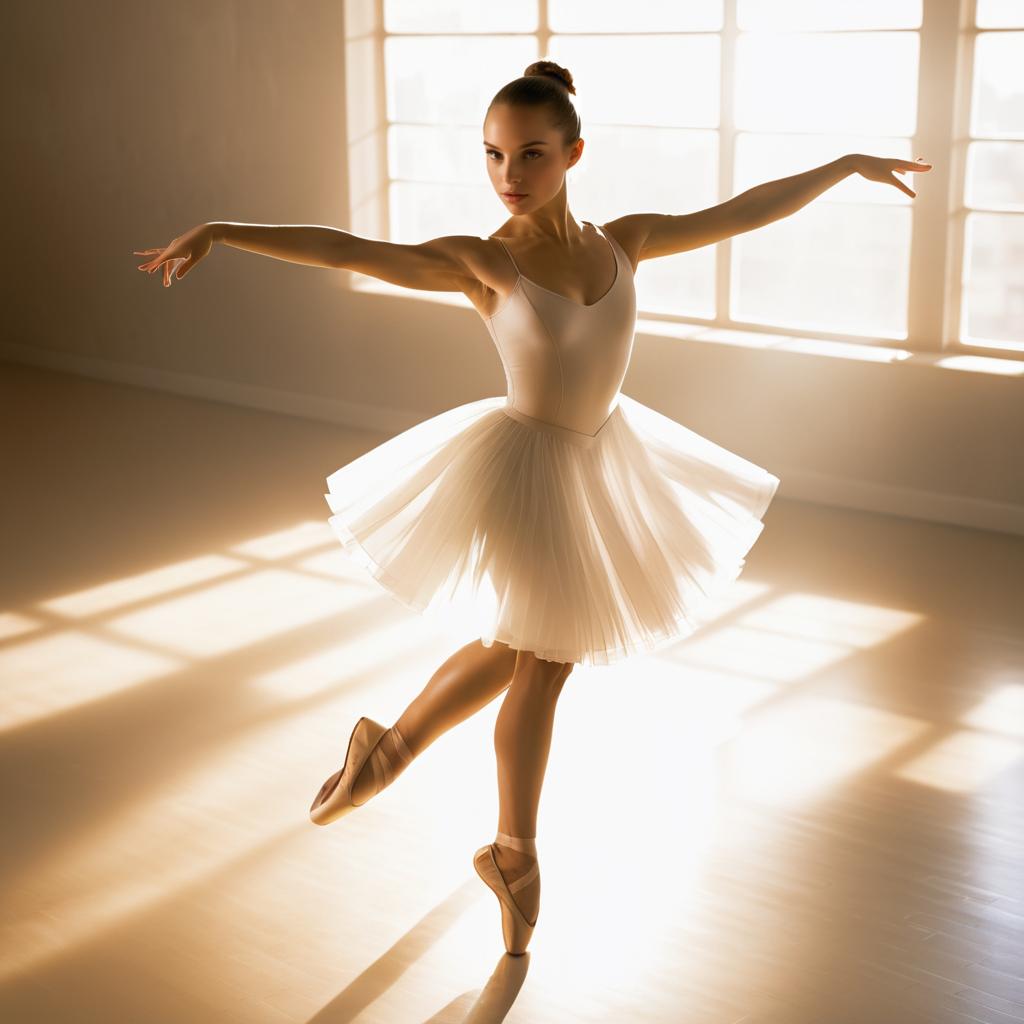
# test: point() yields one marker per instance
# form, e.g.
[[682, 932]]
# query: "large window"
[[686, 105]]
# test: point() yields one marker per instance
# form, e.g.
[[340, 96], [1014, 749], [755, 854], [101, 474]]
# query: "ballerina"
[[585, 527]]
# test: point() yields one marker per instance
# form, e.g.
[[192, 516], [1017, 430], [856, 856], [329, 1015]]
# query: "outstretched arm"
[[659, 234], [777, 199], [311, 245], [449, 263]]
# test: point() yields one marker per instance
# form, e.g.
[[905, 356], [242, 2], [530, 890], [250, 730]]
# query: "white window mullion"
[[726, 157], [380, 84], [938, 210]]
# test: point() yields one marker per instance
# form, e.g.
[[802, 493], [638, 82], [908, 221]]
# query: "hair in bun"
[[549, 67], [545, 83]]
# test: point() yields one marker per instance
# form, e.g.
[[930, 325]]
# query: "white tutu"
[[588, 553]]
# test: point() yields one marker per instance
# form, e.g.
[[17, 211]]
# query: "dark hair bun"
[[549, 67]]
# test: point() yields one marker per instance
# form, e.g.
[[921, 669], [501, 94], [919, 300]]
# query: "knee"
[[550, 675]]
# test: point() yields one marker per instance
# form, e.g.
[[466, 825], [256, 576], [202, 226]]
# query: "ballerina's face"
[[526, 156]]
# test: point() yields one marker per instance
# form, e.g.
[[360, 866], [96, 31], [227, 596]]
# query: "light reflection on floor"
[[736, 825]]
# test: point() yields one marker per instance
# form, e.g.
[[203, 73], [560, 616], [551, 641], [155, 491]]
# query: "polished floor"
[[810, 812]]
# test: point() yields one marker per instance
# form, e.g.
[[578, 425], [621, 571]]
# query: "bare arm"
[[774, 200], [439, 264], [309, 244], [656, 234], [449, 263]]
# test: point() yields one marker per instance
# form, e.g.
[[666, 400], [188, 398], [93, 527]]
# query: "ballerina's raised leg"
[[466, 682]]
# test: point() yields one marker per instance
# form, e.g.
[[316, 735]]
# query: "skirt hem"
[[410, 512]]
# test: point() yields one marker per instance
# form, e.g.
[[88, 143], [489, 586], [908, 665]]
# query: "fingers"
[[173, 270], [152, 264], [917, 166], [169, 268], [174, 267], [146, 252]]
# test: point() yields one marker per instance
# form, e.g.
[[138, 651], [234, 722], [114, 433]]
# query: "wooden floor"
[[809, 811]]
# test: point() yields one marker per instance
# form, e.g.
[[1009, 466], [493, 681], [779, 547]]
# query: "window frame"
[[947, 38]]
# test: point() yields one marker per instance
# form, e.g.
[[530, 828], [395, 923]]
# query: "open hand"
[[181, 255], [879, 168]]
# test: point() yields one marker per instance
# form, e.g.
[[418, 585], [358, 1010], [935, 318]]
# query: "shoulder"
[[489, 275], [630, 231], [483, 261], [473, 250]]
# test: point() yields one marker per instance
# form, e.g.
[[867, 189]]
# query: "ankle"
[[518, 842], [401, 742], [512, 858]]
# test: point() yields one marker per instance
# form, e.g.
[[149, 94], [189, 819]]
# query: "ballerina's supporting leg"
[[522, 741], [468, 681]]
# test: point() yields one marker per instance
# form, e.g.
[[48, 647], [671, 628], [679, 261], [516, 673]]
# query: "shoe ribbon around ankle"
[[362, 745], [516, 929], [384, 772]]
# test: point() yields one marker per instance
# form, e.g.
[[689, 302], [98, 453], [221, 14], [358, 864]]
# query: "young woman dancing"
[[585, 526]]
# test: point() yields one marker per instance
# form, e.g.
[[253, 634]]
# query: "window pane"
[[366, 169], [830, 266], [1000, 14], [420, 212], [998, 101], [993, 306], [460, 16], [995, 175], [803, 82], [682, 284], [652, 170], [442, 153], [813, 15], [636, 16], [442, 79], [761, 158], [664, 80]]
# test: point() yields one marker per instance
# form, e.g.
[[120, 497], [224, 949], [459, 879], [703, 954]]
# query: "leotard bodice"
[[565, 361]]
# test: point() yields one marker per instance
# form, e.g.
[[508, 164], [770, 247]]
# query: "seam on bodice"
[[558, 353]]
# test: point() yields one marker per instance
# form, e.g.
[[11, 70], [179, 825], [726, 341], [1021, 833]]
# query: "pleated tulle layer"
[[578, 548]]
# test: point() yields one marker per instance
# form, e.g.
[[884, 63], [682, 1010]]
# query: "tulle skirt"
[[577, 547]]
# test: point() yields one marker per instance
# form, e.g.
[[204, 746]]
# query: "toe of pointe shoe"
[[516, 930], [337, 801]]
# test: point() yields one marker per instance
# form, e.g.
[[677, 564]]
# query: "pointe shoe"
[[515, 928], [335, 797]]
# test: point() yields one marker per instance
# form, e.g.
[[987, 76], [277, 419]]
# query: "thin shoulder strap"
[[608, 238], [510, 256]]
